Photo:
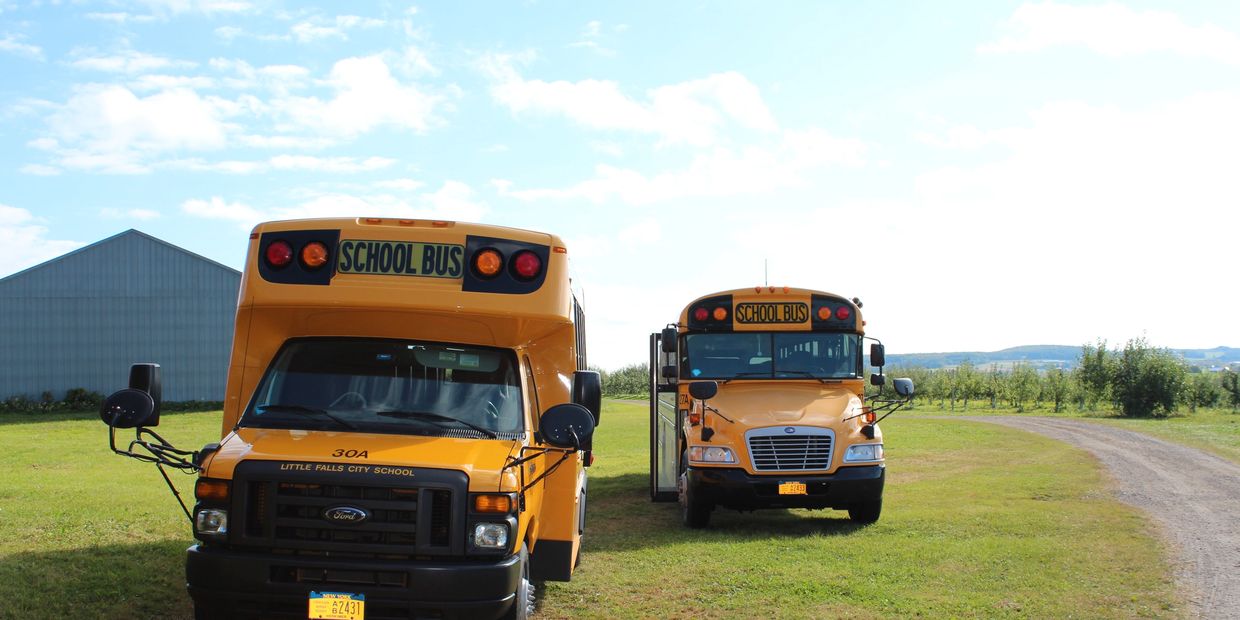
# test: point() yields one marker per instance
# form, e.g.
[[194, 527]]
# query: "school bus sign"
[[772, 313]]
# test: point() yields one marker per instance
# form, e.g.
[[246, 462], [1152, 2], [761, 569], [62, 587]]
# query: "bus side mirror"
[[137, 405], [588, 392], [878, 355], [669, 372], [567, 425], [127, 408], [878, 380], [668, 337], [903, 387], [703, 390]]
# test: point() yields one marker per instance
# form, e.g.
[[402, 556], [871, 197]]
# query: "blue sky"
[[982, 174]]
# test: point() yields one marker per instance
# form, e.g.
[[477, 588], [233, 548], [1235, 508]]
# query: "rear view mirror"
[[703, 390], [878, 355], [878, 380], [903, 387], [669, 372], [588, 392], [127, 408], [567, 426], [668, 337]]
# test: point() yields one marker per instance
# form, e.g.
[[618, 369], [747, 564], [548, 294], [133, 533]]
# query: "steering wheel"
[[354, 395]]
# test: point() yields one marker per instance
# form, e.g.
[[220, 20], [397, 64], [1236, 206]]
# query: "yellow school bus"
[[758, 400], [406, 425]]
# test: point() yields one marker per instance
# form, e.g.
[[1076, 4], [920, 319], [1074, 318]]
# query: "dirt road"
[[1194, 496]]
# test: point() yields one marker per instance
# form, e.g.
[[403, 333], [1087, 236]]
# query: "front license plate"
[[337, 606], [792, 488]]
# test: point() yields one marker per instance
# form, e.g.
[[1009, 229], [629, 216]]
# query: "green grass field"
[[1212, 430], [979, 521]]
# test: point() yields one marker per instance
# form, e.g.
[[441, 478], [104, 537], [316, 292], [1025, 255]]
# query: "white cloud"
[[108, 128], [128, 61], [719, 173], [452, 201], [590, 39], [691, 112], [318, 28], [166, 8], [646, 231], [24, 242], [13, 44], [407, 185], [367, 96], [120, 17], [285, 163], [1112, 30], [131, 214], [40, 170]]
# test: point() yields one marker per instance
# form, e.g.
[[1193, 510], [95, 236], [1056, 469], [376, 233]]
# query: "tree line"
[[1137, 380]]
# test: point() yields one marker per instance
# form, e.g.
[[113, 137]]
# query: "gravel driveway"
[[1193, 495]]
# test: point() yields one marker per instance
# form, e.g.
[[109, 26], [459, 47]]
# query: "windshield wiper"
[[748, 373], [441, 420], [810, 375], [305, 409]]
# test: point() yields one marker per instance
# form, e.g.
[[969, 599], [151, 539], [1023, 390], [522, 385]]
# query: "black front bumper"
[[735, 488], [235, 584]]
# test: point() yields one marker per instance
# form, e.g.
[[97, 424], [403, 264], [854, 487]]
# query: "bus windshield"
[[770, 355], [390, 386]]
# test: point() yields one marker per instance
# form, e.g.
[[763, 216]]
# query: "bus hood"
[[756, 405], [480, 459]]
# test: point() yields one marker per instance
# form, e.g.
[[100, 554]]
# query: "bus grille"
[[286, 514], [805, 448]]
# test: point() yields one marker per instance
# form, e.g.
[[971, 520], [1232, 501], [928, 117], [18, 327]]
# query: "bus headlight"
[[211, 522], [864, 452], [491, 536], [711, 454]]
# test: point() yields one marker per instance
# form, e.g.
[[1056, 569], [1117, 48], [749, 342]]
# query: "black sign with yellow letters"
[[769, 312], [400, 258]]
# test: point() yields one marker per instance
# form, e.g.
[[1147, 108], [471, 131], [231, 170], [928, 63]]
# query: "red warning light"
[[279, 254]]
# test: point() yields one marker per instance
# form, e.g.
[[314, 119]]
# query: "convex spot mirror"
[[703, 390], [127, 408], [567, 426], [903, 387], [878, 355]]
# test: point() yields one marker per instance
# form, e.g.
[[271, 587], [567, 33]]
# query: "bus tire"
[[865, 513], [526, 599], [693, 511]]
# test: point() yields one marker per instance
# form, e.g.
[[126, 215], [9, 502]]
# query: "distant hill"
[[1047, 356]]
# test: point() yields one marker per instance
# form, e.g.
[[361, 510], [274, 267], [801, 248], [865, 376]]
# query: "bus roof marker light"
[[526, 265], [374, 220], [314, 255], [824, 313], [720, 313], [487, 263], [279, 254], [700, 314], [407, 222], [842, 313]]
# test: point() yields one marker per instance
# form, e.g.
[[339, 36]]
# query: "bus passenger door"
[[664, 451]]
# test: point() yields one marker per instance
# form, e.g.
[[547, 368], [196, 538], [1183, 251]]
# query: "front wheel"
[[693, 511], [865, 512], [523, 605]]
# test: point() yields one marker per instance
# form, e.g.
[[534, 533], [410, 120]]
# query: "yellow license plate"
[[337, 606], [792, 488]]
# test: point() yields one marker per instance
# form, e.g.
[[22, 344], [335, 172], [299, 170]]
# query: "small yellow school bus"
[[406, 427], [758, 401]]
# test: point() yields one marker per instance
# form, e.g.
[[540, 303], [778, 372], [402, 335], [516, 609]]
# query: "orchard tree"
[[1058, 387], [1202, 390], [1229, 380], [1095, 372], [1147, 381], [1023, 385]]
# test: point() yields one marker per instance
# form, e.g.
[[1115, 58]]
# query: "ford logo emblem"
[[789, 430], [345, 515]]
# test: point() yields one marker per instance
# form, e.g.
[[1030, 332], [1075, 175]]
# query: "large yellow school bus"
[[405, 430], [758, 401]]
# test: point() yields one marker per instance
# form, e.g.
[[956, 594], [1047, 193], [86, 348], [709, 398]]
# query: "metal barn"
[[80, 320]]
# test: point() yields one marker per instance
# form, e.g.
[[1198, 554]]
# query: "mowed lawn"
[[979, 521]]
